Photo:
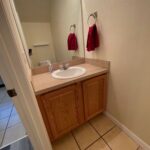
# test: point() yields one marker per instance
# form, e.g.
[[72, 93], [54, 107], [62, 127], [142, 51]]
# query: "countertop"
[[44, 82]]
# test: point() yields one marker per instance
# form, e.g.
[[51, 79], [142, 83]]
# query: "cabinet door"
[[63, 110], [94, 91]]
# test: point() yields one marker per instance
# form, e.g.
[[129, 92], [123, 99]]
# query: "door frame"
[[16, 74]]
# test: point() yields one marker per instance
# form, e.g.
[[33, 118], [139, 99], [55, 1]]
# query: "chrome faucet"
[[64, 66], [50, 67]]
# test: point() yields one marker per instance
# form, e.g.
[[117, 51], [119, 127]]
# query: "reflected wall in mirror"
[[47, 25]]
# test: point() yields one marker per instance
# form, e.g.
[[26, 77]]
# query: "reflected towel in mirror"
[[72, 42]]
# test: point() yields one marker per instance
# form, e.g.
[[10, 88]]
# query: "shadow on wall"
[[112, 96]]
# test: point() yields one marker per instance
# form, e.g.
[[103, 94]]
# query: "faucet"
[[64, 66], [50, 67]]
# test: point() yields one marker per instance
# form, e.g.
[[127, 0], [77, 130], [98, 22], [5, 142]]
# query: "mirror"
[[52, 29]]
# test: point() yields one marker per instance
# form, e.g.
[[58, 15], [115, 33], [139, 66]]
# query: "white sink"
[[71, 72]]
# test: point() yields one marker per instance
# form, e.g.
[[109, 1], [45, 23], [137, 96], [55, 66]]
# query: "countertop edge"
[[82, 78]]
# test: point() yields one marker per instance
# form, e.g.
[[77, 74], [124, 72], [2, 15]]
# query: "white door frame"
[[16, 74]]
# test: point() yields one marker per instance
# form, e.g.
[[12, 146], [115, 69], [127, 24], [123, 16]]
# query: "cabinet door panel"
[[61, 110], [94, 96]]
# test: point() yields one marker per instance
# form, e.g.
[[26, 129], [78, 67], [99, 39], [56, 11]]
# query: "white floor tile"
[[1, 137], [5, 99], [3, 123], [99, 145], [102, 124], [14, 133], [14, 119], [6, 106], [67, 142], [118, 140], [2, 93], [14, 111], [85, 135], [23, 144], [5, 113]]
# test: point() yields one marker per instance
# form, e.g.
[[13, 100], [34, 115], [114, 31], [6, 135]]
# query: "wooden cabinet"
[[94, 91], [63, 110], [66, 108]]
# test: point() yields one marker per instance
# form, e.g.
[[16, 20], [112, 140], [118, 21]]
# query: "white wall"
[[36, 33], [125, 40]]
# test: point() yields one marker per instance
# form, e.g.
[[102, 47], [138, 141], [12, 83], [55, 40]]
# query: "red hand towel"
[[72, 42], [93, 38]]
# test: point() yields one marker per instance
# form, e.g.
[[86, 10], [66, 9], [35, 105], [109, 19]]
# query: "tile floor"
[[11, 128], [23, 144], [99, 133]]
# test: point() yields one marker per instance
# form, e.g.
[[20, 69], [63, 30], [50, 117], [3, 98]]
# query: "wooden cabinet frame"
[[77, 102], [94, 96]]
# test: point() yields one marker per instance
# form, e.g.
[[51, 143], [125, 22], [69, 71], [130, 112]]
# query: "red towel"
[[93, 38], [72, 42]]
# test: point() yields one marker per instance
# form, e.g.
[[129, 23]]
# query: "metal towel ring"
[[73, 26], [94, 15]]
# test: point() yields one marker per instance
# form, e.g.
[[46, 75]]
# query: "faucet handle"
[[66, 65], [61, 67]]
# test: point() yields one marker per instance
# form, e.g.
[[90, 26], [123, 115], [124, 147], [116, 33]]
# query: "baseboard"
[[144, 145]]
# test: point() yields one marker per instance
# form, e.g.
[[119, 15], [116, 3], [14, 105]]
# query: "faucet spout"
[[64, 66]]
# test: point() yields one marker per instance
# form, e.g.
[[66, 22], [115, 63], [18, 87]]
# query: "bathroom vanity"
[[64, 103], [67, 103]]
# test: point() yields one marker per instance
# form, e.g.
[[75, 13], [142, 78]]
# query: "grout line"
[[4, 146], [76, 141], [106, 143], [5, 117], [138, 147], [6, 127], [104, 133], [109, 130], [94, 128], [101, 136], [14, 124], [92, 143], [88, 145]]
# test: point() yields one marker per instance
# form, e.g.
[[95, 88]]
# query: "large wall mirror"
[[52, 29]]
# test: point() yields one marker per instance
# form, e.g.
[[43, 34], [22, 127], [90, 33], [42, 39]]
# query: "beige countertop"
[[44, 82]]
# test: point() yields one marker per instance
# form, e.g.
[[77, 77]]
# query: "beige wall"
[[125, 41], [33, 10], [63, 14], [38, 33]]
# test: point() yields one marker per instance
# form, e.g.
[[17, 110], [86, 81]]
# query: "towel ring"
[[94, 15], [73, 26]]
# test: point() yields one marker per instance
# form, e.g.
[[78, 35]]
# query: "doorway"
[[16, 75], [11, 127]]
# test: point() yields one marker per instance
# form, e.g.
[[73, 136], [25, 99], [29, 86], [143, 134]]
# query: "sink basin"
[[71, 72]]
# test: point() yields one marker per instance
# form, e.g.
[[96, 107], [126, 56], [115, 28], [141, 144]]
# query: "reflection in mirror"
[[47, 25]]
